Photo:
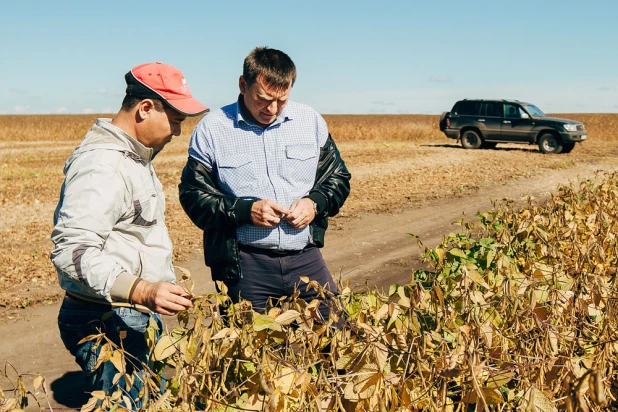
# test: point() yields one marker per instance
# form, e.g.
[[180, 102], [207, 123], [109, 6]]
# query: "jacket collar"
[[107, 133]]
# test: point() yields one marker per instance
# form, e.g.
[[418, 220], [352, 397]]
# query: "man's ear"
[[144, 108], [242, 85]]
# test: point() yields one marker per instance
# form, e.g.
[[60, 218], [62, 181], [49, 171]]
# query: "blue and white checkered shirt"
[[277, 163]]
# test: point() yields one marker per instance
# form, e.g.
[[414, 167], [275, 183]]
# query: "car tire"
[[567, 147], [471, 140], [488, 145], [550, 144]]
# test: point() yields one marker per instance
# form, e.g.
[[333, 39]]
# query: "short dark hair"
[[130, 101], [271, 66]]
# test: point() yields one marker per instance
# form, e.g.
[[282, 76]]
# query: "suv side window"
[[467, 108], [512, 111], [491, 109]]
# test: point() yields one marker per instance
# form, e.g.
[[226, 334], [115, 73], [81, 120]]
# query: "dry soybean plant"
[[15, 394], [518, 313]]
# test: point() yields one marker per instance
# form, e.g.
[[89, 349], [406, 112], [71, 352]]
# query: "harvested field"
[[395, 162]]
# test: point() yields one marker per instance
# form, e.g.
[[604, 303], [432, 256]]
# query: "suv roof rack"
[[496, 100]]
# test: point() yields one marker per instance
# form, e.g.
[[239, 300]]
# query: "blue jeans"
[[78, 319]]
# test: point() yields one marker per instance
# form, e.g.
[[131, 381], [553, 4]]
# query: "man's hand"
[[301, 213], [267, 213], [161, 297]]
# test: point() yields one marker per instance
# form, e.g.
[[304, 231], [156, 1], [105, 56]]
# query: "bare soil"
[[364, 250]]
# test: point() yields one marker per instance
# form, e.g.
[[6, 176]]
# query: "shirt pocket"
[[145, 206], [300, 164], [237, 174]]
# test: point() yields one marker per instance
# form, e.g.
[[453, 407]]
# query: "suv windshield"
[[534, 111]]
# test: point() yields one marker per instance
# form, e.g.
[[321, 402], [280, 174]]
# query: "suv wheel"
[[548, 143], [567, 147], [471, 140]]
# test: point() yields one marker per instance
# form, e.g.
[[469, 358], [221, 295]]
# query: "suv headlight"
[[570, 127]]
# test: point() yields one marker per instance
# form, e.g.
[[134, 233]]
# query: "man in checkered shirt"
[[262, 178]]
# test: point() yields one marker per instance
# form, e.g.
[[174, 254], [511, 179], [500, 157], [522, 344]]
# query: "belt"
[[273, 252]]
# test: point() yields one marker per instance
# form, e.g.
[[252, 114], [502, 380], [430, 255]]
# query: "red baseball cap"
[[162, 81]]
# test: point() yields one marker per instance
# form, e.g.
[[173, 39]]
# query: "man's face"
[[263, 102], [162, 126]]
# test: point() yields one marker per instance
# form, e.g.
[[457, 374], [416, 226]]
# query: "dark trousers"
[[268, 275]]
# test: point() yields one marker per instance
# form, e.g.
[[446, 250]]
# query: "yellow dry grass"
[[35, 128], [394, 160]]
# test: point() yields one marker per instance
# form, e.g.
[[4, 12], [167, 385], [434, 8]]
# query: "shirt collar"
[[244, 116]]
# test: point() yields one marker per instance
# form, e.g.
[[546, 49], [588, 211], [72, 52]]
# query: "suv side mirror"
[[525, 116]]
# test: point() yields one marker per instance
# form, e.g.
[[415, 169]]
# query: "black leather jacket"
[[219, 215]]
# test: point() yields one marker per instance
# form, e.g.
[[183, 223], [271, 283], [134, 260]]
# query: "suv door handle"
[[480, 120], [506, 121]]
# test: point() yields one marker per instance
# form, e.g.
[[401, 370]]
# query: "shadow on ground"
[[500, 149], [69, 390]]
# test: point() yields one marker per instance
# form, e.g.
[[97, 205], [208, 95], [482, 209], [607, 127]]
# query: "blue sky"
[[352, 56]]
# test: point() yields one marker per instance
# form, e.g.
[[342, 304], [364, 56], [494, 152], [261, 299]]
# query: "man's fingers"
[[299, 224], [269, 220], [183, 301], [162, 297], [295, 213], [294, 206], [174, 307], [177, 290], [179, 297], [301, 213], [278, 209], [171, 307], [171, 299], [267, 213]]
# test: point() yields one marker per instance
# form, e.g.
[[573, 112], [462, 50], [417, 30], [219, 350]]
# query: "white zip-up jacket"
[[109, 225]]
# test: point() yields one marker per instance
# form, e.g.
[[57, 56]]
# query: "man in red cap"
[[112, 249]]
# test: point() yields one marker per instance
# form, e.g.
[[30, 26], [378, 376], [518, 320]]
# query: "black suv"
[[485, 123]]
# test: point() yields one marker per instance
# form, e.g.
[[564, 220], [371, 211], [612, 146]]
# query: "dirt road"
[[372, 248]]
